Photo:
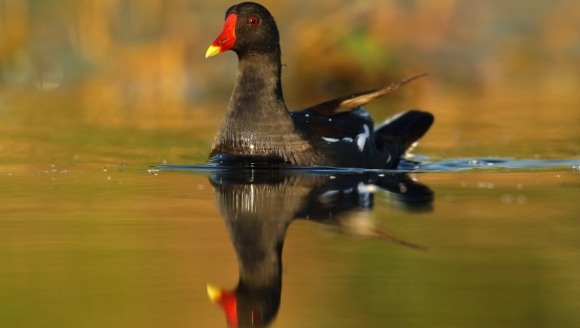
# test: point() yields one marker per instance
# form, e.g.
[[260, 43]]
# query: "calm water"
[[136, 247]]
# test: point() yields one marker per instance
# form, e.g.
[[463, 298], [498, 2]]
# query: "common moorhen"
[[259, 129]]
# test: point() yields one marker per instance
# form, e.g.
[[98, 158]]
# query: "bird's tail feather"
[[397, 135]]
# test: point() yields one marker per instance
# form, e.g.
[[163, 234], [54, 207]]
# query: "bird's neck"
[[257, 222], [258, 87], [257, 122]]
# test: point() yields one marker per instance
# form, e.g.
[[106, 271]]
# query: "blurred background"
[[503, 76]]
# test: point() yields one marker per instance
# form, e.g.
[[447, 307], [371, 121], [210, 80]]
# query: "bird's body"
[[259, 129]]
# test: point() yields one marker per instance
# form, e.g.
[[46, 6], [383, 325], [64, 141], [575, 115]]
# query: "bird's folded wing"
[[348, 103]]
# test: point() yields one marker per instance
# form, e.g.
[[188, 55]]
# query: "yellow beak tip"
[[213, 292], [212, 51]]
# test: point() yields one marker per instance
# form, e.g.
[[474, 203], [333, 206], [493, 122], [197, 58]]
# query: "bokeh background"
[[504, 76]]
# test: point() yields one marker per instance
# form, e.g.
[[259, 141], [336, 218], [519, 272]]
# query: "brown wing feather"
[[347, 103]]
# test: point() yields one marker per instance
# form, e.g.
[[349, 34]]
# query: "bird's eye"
[[253, 21]]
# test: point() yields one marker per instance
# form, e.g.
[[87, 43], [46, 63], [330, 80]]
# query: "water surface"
[[130, 246]]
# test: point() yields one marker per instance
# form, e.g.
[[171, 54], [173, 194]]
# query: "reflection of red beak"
[[227, 301], [225, 41]]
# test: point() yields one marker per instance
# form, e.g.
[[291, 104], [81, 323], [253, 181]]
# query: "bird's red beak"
[[227, 301], [225, 41]]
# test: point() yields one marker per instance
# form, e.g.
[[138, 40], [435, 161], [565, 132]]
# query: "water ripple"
[[425, 165], [463, 164]]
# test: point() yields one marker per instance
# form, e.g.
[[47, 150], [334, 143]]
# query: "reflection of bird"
[[257, 211], [258, 128], [259, 206]]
